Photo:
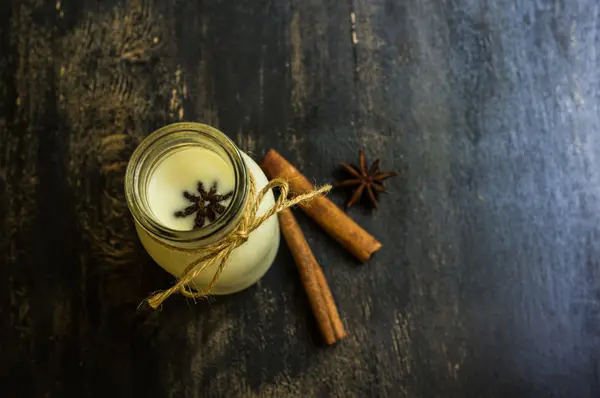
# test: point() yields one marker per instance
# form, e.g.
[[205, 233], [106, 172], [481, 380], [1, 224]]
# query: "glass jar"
[[248, 262]]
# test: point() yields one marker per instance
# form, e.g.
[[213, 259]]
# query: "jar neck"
[[164, 142]]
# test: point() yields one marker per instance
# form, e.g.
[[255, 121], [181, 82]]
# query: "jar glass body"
[[248, 262]]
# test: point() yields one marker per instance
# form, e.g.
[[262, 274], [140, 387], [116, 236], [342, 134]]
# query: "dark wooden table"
[[488, 284]]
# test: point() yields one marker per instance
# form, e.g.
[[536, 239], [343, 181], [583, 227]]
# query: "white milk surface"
[[249, 262], [180, 172]]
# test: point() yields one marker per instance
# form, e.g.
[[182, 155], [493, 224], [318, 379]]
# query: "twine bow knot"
[[242, 235]]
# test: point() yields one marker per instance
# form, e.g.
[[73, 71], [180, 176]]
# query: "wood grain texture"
[[488, 281]]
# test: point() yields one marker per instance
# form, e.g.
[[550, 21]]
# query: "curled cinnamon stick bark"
[[313, 280], [329, 216], [334, 316]]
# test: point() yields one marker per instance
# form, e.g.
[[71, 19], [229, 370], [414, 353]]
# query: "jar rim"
[[148, 154]]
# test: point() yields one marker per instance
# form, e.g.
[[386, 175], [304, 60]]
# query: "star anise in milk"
[[207, 204]]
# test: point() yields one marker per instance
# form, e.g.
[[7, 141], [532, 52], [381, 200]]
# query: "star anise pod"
[[206, 205], [370, 180]]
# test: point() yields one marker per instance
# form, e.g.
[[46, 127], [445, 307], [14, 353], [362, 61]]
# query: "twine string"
[[219, 252]]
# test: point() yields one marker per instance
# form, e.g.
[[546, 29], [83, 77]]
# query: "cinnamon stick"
[[313, 280], [329, 216], [334, 316]]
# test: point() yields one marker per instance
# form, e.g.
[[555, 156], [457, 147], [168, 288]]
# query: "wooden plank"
[[487, 282]]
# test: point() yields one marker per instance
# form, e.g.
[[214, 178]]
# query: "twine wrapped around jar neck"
[[219, 252]]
